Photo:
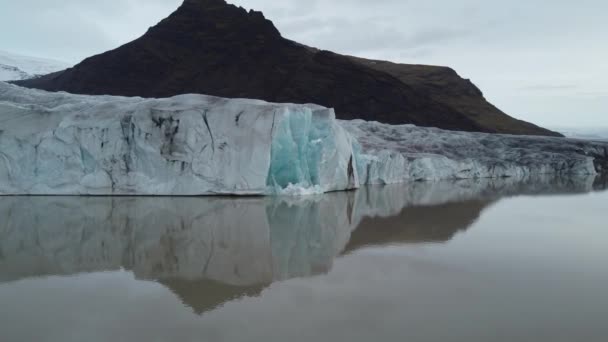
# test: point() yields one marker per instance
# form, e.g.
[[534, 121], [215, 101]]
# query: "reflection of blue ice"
[[307, 236]]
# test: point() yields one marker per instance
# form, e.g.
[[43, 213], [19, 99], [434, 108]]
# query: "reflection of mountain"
[[435, 212], [211, 250], [203, 295], [418, 224]]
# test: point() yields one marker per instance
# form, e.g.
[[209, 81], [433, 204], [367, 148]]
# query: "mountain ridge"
[[211, 47]]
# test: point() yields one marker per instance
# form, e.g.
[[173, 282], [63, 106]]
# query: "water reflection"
[[212, 250], [418, 224]]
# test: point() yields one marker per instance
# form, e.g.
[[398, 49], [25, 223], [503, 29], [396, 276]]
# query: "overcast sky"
[[544, 61]]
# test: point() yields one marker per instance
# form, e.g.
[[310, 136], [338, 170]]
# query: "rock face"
[[64, 144], [210, 47], [445, 86]]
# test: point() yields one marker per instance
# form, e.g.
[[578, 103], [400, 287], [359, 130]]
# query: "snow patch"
[[17, 67]]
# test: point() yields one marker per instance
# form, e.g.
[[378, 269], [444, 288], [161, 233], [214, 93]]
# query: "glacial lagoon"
[[475, 260]]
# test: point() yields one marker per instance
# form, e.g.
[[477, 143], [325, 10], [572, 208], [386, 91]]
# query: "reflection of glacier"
[[233, 241], [231, 246]]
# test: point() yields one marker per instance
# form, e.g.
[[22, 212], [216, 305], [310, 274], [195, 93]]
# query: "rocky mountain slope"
[[18, 67], [211, 47], [445, 86]]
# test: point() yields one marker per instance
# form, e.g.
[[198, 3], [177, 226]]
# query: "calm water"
[[465, 261]]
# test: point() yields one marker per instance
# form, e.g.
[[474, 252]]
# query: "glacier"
[[388, 154], [58, 143], [15, 67], [65, 144]]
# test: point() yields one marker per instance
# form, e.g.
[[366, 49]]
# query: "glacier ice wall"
[[389, 154], [58, 143]]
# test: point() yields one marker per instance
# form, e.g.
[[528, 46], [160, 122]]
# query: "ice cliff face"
[[401, 153], [58, 143]]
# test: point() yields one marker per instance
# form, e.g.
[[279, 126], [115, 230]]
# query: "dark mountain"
[[211, 47]]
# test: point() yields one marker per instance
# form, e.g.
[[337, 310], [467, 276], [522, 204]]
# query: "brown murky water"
[[465, 261]]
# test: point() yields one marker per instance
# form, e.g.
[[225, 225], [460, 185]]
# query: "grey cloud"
[[594, 94], [550, 87], [353, 36], [71, 30]]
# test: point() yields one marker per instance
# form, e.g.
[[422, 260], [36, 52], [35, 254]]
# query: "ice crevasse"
[[64, 144]]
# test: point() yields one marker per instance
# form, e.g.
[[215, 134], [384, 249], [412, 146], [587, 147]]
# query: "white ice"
[[64, 144], [58, 143], [400, 153]]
